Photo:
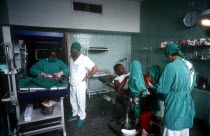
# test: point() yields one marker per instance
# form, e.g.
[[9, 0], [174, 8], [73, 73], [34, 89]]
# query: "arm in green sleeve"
[[166, 80], [64, 68], [36, 69]]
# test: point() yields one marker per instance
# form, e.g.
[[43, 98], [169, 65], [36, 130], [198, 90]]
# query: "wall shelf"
[[98, 49], [101, 73], [188, 42], [201, 59]]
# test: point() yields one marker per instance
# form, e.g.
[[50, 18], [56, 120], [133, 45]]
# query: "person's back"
[[178, 89], [176, 83], [179, 72]]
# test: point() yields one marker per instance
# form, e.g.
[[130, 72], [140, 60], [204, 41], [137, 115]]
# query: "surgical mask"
[[52, 59], [74, 54], [167, 60], [151, 85]]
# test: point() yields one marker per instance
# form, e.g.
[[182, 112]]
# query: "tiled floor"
[[96, 121]]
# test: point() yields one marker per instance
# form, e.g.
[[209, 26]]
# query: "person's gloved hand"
[[44, 75], [58, 75]]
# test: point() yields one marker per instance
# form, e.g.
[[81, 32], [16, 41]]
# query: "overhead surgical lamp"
[[204, 21], [204, 18]]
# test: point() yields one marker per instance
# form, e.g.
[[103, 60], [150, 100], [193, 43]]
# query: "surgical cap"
[[173, 48], [155, 73], [76, 46], [52, 50]]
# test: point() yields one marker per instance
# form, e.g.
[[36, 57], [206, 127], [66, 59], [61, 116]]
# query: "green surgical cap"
[[173, 48], [76, 46], [52, 50], [155, 73]]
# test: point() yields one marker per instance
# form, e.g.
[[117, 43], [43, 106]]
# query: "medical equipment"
[[127, 120], [99, 73], [16, 59], [203, 82], [146, 57], [54, 121], [28, 112], [104, 89], [132, 101]]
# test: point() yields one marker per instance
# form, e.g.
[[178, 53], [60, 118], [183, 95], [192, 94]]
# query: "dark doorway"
[[37, 41]]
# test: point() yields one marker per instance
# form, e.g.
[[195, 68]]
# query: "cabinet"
[[201, 100]]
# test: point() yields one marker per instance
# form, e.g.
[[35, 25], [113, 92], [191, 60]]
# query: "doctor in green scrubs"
[[49, 67], [176, 83]]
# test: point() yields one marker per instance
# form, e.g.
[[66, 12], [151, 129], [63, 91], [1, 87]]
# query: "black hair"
[[116, 67], [173, 54], [52, 50]]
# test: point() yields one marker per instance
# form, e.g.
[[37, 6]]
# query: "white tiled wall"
[[119, 46]]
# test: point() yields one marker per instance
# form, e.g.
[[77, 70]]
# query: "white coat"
[[78, 70]]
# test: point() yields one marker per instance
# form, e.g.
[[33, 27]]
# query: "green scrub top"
[[136, 85], [175, 84], [136, 80], [49, 67]]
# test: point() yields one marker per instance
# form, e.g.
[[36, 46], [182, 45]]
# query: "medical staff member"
[[152, 76], [79, 66], [176, 83], [50, 67], [150, 102]]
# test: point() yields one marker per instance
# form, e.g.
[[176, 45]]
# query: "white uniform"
[[183, 132], [78, 70], [121, 78]]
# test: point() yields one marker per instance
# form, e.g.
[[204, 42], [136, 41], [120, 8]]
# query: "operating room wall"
[[4, 19], [119, 47], [162, 20], [60, 14]]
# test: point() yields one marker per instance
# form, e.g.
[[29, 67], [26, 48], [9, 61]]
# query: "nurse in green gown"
[[137, 86], [176, 83]]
